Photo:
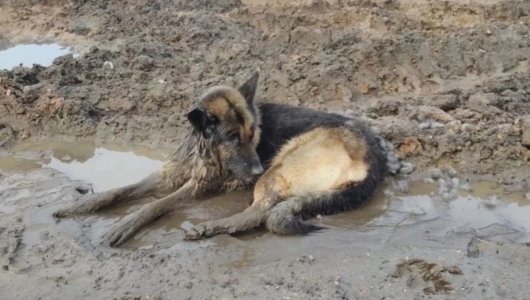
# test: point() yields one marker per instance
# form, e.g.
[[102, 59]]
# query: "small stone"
[[337, 281], [428, 180], [146, 247], [306, 259], [406, 167], [108, 64], [435, 173], [393, 168], [82, 189], [472, 248], [408, 147], [451, 172], [465, 186]]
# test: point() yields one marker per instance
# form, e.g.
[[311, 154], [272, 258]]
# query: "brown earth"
[[447, 82]]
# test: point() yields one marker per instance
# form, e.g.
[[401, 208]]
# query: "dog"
[[300, 163]]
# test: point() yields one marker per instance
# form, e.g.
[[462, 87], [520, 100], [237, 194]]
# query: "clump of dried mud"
[[448, 83]]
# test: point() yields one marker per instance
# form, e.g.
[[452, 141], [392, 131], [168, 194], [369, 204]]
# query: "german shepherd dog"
[[301, 163]]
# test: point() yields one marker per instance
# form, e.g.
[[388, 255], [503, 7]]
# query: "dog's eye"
[[233, 137]]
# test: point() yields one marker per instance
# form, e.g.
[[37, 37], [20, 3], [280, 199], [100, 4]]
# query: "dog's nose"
[[256, 169]]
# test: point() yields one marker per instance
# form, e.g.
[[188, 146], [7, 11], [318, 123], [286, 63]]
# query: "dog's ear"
[[202, 121], [248, 89]]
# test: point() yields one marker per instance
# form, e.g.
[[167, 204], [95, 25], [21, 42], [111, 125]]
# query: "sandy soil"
[[447, 82]]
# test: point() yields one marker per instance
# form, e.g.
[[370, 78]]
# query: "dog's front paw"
[[123, 230], [195, 233], [84, 205]]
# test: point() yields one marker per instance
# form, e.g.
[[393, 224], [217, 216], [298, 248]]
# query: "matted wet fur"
[[301, 163]]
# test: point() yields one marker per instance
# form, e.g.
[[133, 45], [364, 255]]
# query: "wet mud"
[[447, 83], [404, 237]]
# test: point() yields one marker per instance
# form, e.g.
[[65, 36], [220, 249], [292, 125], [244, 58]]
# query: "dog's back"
[[282, 122]]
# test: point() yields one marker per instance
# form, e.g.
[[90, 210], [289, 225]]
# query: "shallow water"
[[107, 169], [29, 54], [101, 167], [473, 212], [370, 225]]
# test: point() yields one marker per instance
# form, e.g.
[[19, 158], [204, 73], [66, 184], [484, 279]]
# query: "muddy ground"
[[448, 83]]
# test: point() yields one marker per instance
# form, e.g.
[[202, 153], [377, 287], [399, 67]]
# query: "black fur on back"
[[281, 123]]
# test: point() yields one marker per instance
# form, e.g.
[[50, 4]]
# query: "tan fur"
[[316, 161], [220, 100], [218, 107]]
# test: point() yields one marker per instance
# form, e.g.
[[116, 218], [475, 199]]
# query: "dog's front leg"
[[129, 225], [251, 217], [145, 188]]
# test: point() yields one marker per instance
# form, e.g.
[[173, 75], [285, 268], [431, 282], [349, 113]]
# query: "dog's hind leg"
[[144, 188], [130, 224], [250, 218], [265, 197]]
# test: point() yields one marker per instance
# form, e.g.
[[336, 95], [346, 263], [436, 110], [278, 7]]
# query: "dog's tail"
[[287, 217]]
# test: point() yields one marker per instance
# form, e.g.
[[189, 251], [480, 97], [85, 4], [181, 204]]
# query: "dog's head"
[[229, 119]]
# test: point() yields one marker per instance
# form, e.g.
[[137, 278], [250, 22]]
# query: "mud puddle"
[[481, 205], [370, 226], [29, 54]]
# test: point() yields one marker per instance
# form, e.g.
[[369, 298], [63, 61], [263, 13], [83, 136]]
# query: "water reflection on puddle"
[[102, 167], [485, 205], [107, 169], [472, 212], [29, 54]]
